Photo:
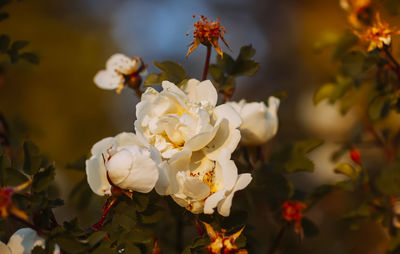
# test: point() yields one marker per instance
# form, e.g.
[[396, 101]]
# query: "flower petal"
[[224, 207], [4, 249], [97, 177], [201, 91], [122, 64], [108, 80], [118, 166], [212, 201], [101, 146]]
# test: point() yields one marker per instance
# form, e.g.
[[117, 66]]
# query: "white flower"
[[118, 68], [187, 120], [201, 184], [196, 139], [129, 162], [260, 123], [23, 242]]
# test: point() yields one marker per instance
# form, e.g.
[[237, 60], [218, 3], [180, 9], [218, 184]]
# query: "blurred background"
[[57, 105]]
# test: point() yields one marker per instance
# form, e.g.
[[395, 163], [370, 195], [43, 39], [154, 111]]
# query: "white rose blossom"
[[119, 68], [260, 123], [196, 138], [125, 160], [23, 241]]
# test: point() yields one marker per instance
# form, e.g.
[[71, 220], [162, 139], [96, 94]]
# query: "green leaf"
[[17, 45], [216, 73], [69, 244], [345, 42], [32, 159], [324, 92], [96, 237], [14, 177], [299, 160], [124, 221], [30, 57], [153, 217], [347, 170], [343, 84], [174, 72], [353, 63], [388, 180], [246, 52], [4, 42], [4, 15], [43, 179], [131, 249], [154, 79], [379, 107], [246, 68]]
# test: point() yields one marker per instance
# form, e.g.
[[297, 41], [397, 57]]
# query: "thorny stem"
[[207, 63], [106, 209], [278, 240], [396, 67]]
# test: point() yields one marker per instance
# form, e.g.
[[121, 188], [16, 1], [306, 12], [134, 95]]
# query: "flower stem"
[[277, 240], [106, 209], [207, 63]]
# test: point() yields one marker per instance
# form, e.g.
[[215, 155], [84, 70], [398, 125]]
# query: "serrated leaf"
[[32, 159], [154, 79], [70, 244], [131, 249], [4, 42], [17, 45], [246, 68], [324, 92], [174, 72], [30, 57], [154, 217], [96, 237], [347, 170], [246, 52], [43, 179], [299, 160], [14, 177]]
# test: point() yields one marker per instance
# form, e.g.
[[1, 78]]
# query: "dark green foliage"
[[171, 71], [293, 157], [227, 69]]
